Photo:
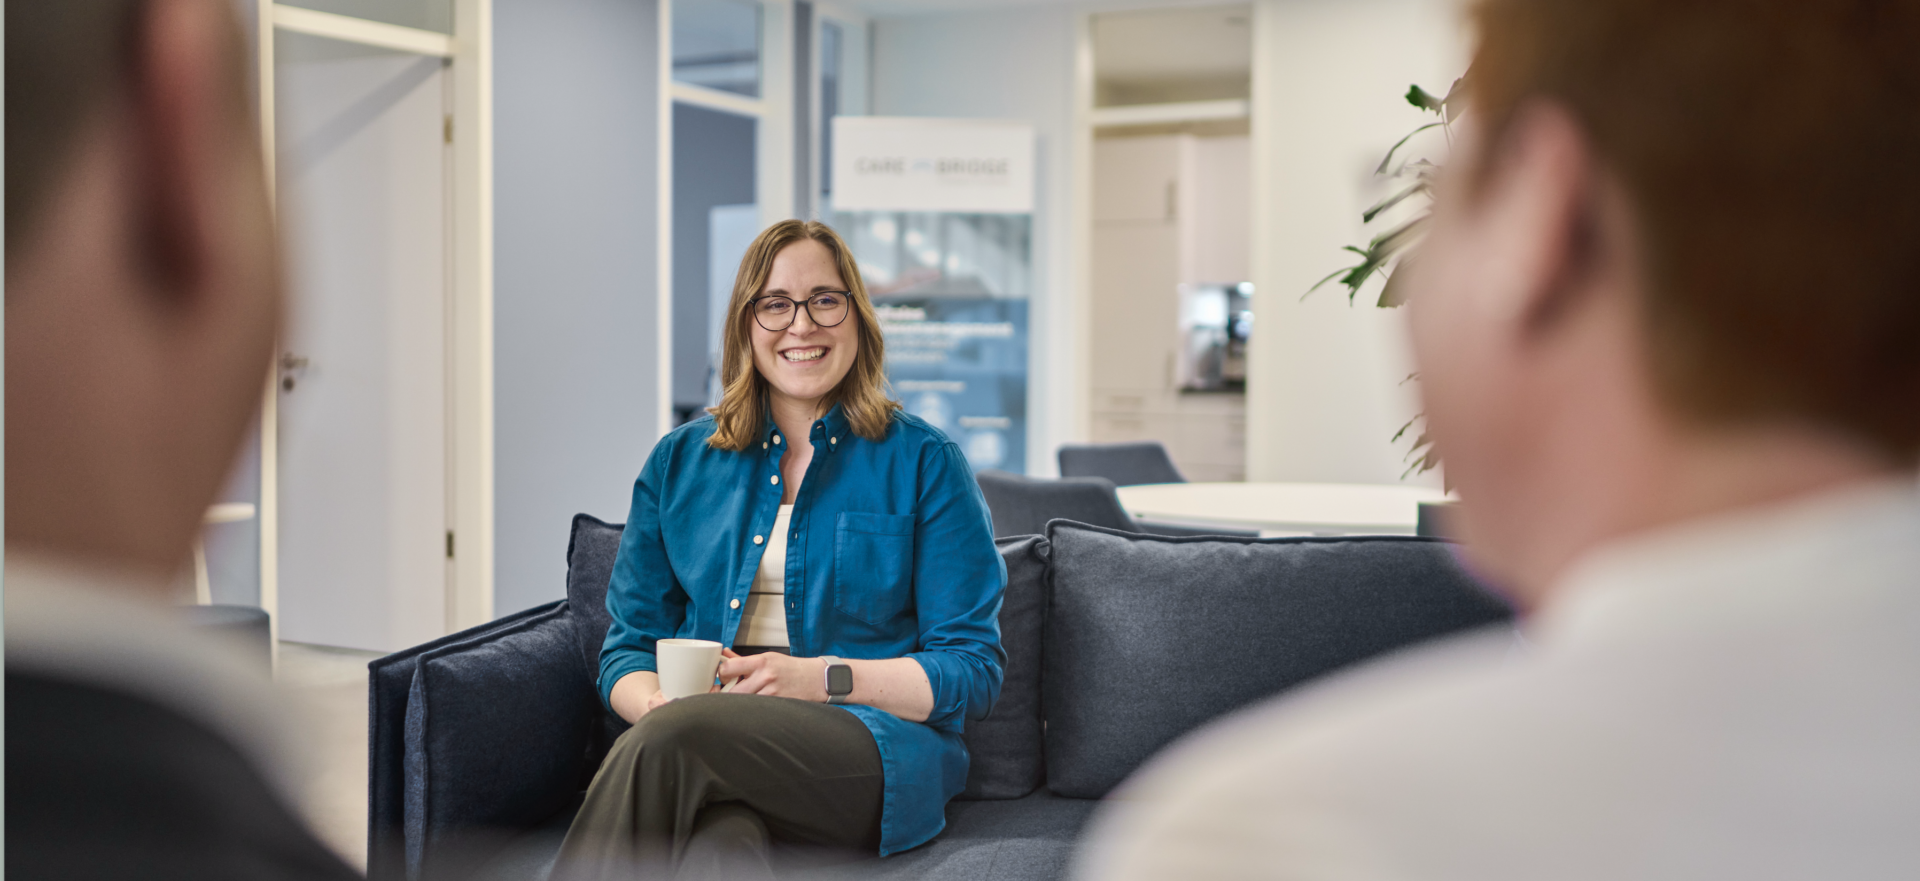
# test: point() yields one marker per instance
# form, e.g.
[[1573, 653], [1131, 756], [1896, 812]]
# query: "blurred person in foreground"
[[142, 299], [1668, 327]]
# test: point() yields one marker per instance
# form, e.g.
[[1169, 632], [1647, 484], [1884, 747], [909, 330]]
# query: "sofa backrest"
[[1148, 637], [1116, 641]]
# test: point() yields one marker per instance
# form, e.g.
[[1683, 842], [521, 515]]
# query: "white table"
[[1284, 508]]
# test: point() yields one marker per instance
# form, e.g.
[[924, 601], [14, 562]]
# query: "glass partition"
[[951, 291], [832, 78], [716, 44], [715, 217]]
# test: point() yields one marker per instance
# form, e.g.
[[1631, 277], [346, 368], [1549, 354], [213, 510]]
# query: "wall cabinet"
[[1169, 210]]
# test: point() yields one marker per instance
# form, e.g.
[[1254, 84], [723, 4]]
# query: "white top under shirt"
[[1727, 698], [764, 624]]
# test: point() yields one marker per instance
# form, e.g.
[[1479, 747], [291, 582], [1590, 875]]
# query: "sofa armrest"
[[497, 735], [389, 680]]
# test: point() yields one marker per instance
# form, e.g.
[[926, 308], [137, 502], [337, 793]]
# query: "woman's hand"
[[636, 694], [775, 675]]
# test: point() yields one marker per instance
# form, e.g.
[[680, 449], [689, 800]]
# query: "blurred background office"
[[509, 222]]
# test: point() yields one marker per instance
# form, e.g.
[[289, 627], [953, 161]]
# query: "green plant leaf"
[[1330, 277], [1424, 100], [1388, 159], [1392, 241], [1427, 462], [1417, 188], [1368, 263]]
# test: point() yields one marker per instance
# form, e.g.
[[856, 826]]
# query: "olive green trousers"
[[703, 786]]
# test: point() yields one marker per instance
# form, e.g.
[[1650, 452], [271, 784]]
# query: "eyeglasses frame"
[[753, 310]]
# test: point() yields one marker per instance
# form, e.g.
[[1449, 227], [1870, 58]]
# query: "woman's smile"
[[802, 354]]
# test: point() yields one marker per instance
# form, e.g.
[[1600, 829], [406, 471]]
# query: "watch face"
[[839, 679]]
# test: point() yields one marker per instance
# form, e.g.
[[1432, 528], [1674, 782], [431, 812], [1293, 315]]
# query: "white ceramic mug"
[[687, 666]]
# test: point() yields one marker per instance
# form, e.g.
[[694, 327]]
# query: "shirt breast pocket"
[[873, 565]]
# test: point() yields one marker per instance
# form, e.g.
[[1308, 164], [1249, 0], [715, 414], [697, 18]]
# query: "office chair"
[[1023, 505], [1128, 464]]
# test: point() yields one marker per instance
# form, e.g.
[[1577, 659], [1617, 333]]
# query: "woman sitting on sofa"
[[843, 551]]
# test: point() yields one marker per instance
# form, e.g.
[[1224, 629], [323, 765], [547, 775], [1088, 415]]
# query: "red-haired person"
[[1668, 329]]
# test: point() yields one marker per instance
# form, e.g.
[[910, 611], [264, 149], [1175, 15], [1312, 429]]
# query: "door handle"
[[291, 368]]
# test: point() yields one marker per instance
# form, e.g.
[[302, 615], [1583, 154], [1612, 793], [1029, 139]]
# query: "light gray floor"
[[329, 686]]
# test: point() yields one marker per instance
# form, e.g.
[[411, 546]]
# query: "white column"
[[1326, 381], [470, 602]]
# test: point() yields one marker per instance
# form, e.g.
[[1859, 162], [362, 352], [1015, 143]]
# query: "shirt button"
[[776, 438], [734, 605], [763, 445], [832, 440], [758, 539], [775, 478]]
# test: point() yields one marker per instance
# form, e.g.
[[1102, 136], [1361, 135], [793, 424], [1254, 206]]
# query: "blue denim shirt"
[[891, 555]]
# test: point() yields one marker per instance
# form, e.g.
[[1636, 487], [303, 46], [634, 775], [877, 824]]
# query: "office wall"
[[1325, 389], [576, 97], [1005, 64]]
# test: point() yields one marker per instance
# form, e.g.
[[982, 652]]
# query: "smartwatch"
[[839, 679]]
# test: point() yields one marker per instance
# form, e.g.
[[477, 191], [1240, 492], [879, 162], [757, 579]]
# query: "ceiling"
[[924, 7], [1136, 42], [929, 7], [1157, 45]]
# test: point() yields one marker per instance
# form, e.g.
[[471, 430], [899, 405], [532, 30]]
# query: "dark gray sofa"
[[482, 741]]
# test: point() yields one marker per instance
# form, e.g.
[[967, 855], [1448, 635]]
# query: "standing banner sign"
[[939, 214]]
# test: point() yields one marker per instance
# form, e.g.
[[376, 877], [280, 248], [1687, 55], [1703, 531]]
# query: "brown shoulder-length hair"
[[862, 394]]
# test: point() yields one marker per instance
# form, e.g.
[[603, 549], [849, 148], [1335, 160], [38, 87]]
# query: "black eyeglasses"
[[824, 308]]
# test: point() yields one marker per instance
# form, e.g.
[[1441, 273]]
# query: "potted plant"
[[1411, 187]]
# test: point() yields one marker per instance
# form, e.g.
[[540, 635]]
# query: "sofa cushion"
[[1025, 839], [1004, 748], [389, 681], [590, 555], [493, 728], [1148, 637], [1028, 839]]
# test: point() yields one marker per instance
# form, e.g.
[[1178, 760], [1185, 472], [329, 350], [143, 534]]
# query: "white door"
[[363, 185]]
